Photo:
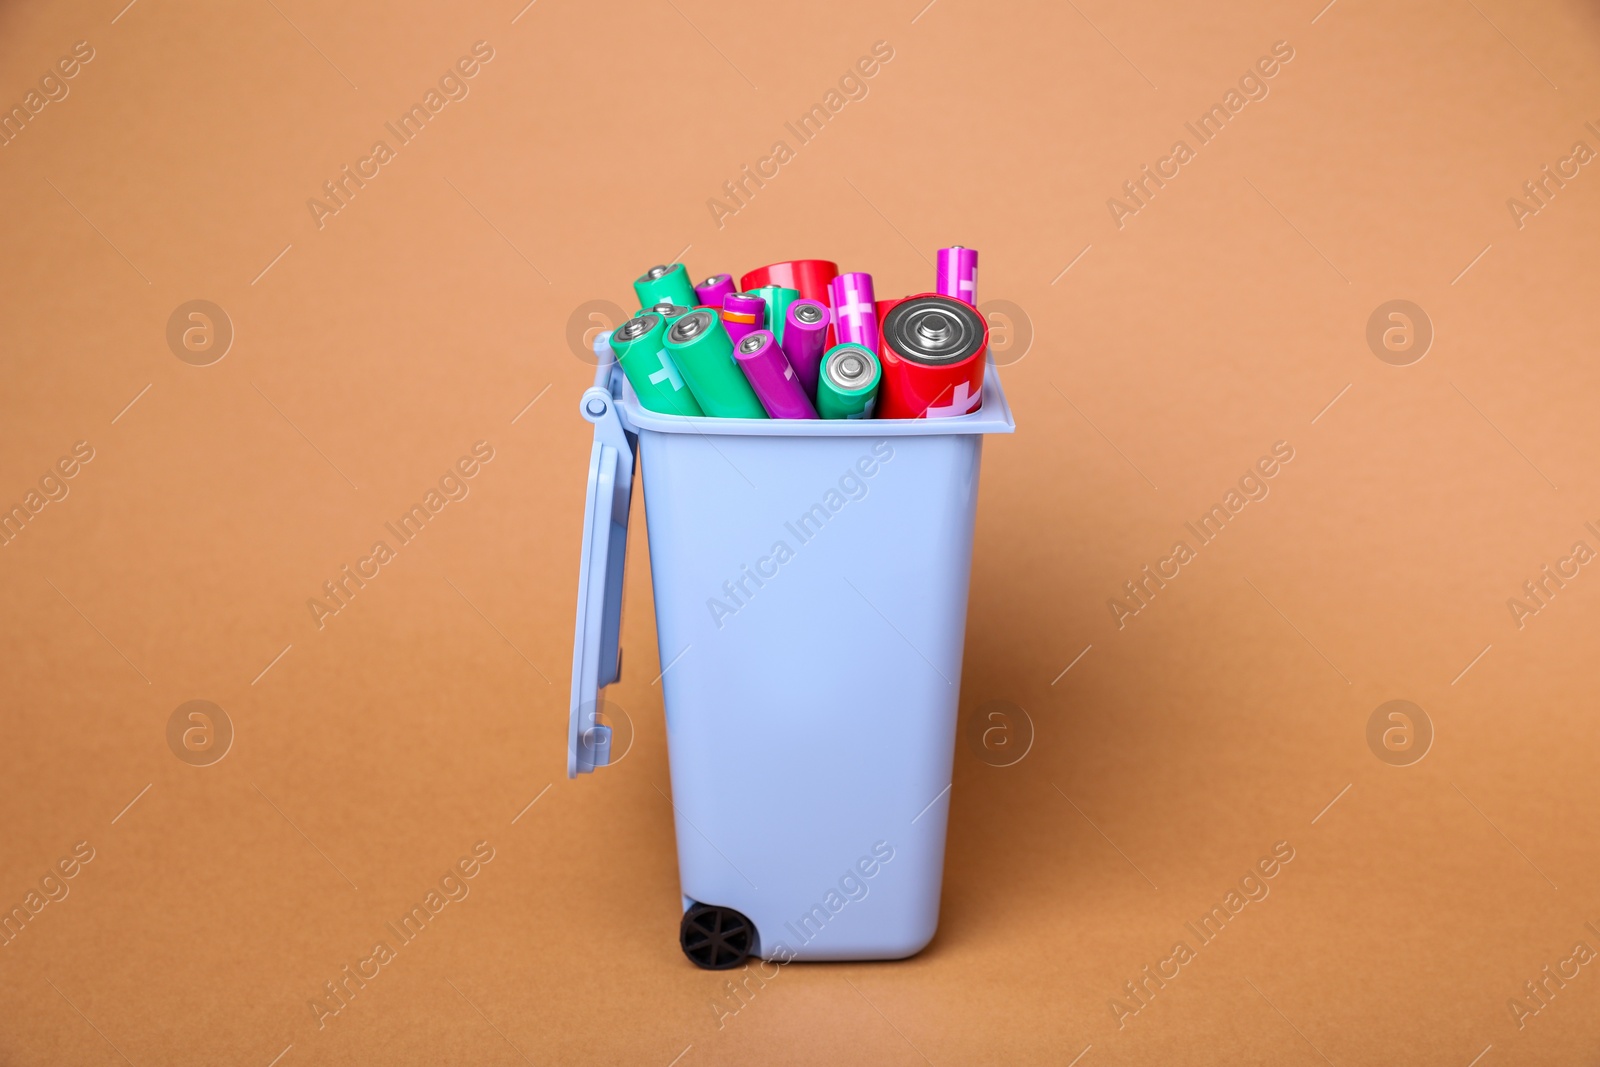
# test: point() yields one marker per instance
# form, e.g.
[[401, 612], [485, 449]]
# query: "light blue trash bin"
[[811, 599]]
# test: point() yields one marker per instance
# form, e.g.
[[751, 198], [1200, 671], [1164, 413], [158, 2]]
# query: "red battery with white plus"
[[933, 350]]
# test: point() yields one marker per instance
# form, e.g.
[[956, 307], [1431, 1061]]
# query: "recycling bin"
[[810, 582]]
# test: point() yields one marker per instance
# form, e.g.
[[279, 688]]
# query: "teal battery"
[[640, 345], [662, 284], [778, 299]]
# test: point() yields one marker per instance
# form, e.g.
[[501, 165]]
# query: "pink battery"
[[743, 314], [805, 338], [957, 271], [712, 291], [769, 374], [855, 318]]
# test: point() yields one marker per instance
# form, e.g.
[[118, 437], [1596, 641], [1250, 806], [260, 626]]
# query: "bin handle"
[[596, 657]]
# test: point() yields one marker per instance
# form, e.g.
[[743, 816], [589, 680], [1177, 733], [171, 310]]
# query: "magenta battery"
[[855, 314], [775, 383], [711, 292], [957, 271], [742, 314], [805, 338]]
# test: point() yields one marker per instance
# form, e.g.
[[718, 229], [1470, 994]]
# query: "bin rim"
[[992, 416]]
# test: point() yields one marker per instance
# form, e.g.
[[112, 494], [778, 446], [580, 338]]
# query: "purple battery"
[[711, 292], [774, 381], [742, 314], [805, 337], [855, 314], [958, 274]]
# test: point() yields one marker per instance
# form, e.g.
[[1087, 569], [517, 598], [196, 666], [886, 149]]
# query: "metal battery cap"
[[934, 329], [753, 342], [810, 314], [690, 326], [636, 327], [850, 368]]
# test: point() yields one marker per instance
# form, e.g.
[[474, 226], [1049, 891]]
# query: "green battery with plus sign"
[[640, 345]]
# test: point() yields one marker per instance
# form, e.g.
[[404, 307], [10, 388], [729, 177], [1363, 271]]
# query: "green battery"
[[640, 345], [664, 285], [778, 300], [703, 352], [848, 385], [669, 312]]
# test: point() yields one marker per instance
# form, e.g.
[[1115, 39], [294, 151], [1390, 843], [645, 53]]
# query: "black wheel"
[[717, 939]]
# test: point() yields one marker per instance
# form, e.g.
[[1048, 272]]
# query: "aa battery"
[[778, 298], [933, 354], [957, 274], [640, 346], [848, 386], [770, 376], [855, 318], [703, 353], [742, 314], [805, 337], [670, 313], [810, 276], [664, 285], [710, 292]]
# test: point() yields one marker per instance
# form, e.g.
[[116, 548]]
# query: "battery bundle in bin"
[[810, 579]]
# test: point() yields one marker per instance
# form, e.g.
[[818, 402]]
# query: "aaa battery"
[[804, 339], [703, 353], [640, 346], [848, 387], [769, 374], [663, 284]]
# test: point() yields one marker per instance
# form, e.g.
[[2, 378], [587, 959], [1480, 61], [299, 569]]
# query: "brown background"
[[431, 310]]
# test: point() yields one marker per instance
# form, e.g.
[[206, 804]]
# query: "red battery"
[[933, 349], [810, 276]]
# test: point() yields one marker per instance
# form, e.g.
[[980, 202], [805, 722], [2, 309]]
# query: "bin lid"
[[596, 657]]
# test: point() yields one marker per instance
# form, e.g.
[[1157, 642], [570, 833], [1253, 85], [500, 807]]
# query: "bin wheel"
[[716, 938]]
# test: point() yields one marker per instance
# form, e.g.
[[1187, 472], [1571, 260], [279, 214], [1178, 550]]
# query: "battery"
[[848, 386], [710, 292], [805, 334], [743, 313], [671, 313], [663, 284], [703, 354], [769, 374], [810, 276], [855, 318], [640, 346], [778, 298], [934, 350], [957, 274]]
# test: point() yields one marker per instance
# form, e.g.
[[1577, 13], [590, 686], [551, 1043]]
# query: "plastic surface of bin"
[[811, 593]]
